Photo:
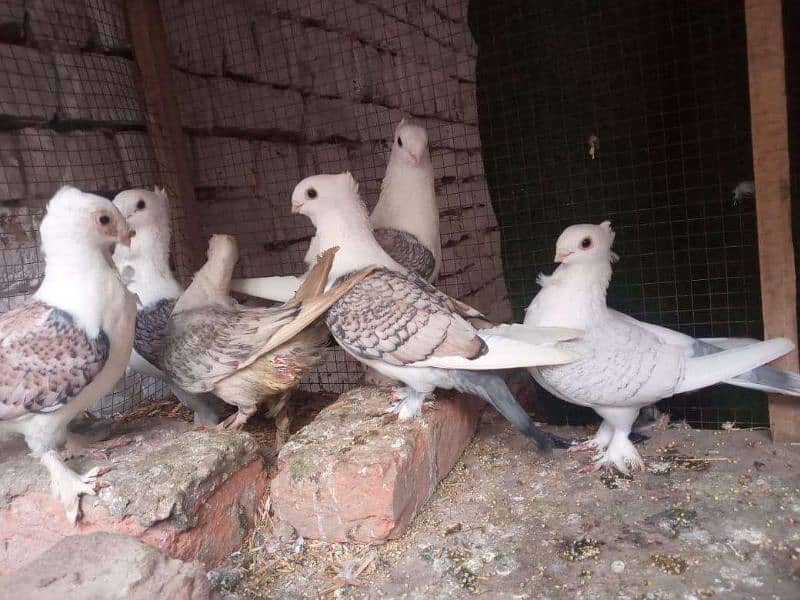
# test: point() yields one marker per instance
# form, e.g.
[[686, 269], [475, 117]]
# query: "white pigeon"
[[626, 364], [398, 324], [158, 290], [68, 345], [405, 221]]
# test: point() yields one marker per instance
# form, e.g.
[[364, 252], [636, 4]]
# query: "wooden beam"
[[170, 145], [770, 127]]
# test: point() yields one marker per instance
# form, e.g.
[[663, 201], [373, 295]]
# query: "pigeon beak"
[[125, 236], [414, 159], [296, 208], [561, 255]]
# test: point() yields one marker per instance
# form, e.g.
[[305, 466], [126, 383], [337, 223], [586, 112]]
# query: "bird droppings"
[[615, 480], [503, 522], [581, 549]]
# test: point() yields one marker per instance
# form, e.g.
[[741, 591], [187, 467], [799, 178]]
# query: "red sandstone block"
[[222, 162], [93, 87], [28, 84], [277, 170], [356, 475], [276, 48], [255, 107], [193, 494]]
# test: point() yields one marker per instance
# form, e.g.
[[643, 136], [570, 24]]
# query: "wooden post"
[[770, 127], [171, 147]]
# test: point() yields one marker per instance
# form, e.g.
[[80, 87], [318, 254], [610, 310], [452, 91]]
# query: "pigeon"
[[405, 221], [247, 356], [158, 290], [400, 325], [68, 345], [626, 364]]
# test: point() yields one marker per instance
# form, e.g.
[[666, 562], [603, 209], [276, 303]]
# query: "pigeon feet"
[[78, 446], [409, 404], [233, 423], [68, 486], [599, 442], [621, 455]]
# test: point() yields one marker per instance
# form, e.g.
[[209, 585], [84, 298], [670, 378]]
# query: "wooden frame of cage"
[[769, 122]]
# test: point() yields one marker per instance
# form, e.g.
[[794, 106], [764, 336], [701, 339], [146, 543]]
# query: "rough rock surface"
[[356, 474], [106, 566], [194, 494], [716, 515]]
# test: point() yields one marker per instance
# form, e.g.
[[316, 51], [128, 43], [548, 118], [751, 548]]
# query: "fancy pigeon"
[[405, 221], [68, 345], [398, 324], [626, 364], [246, 355], [158, 290]]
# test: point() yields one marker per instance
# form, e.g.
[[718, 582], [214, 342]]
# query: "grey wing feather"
[[401, 319], [407, 250], [151, 329], [45, 359], [622, 365], [206, 345]]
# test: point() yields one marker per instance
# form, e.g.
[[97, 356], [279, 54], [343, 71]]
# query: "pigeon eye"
[[400, 142], [105, 220], [140, 205], [311, 193], [586, 243]]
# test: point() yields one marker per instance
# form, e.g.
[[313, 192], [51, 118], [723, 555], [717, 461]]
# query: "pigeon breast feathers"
[[45, 359]]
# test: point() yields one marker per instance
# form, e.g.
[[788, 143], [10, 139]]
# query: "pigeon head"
[[86, 219], [321, 195], [223, 249], [586, 244], [410, 143], [144, 210]]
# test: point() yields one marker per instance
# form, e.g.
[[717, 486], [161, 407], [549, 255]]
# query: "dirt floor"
[[715, 515]]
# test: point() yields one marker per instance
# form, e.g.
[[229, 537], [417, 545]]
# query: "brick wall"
[[70, 112], [272, 92]]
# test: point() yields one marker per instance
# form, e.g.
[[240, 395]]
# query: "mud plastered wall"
[[70, 113], [271, 92]]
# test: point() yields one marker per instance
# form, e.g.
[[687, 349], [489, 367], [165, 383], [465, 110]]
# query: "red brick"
[[12, 185], [356, 475], [137, 159], [222, 162], [194, 100], [194, 35], [277, 170], [201, 513], [58, 25], [324, 158], [108, 23]]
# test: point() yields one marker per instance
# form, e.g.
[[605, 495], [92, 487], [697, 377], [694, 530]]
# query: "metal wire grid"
[[661, 92], [70, 113], [273, 93]]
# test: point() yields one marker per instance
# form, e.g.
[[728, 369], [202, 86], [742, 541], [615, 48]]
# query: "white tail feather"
[[532, 335], [715, 368], [278, 289]]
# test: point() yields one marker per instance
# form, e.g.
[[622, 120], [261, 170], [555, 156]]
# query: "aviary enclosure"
[[675, 120]]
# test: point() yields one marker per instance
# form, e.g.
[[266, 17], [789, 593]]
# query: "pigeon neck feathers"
[[149, 257], [78, 279], [349, 229], [573, 296], [408, 202]]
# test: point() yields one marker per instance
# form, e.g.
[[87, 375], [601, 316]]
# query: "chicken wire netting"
[[70, 113], [271, 92], [637, 112]]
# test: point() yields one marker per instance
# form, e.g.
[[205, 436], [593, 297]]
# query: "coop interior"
[[676, 121]]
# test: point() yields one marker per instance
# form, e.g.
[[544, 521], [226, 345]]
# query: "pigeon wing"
[[151, 329], [45, 359], [407, 250]]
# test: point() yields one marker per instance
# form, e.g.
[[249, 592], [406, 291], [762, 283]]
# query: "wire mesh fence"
[[632, 111]]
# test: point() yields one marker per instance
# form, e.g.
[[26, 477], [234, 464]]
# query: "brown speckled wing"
[[151, 329], [205, 345], [45, 359], [401, 319], [407, 250]]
